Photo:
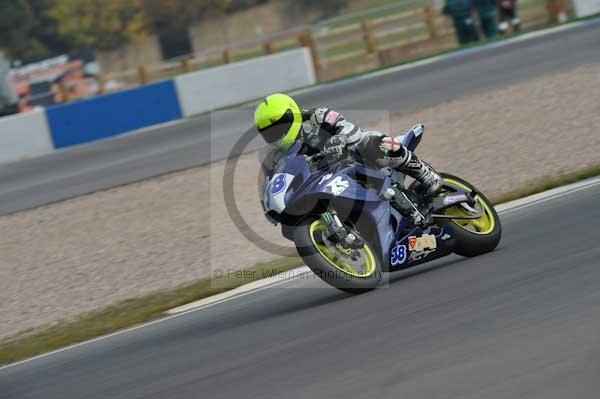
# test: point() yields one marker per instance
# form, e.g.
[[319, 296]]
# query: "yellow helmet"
[[278, 120]]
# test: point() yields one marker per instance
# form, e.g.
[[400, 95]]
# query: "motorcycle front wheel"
[[355, 271]]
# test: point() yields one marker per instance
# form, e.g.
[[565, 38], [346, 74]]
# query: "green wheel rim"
[[483, 225], [337, 260]]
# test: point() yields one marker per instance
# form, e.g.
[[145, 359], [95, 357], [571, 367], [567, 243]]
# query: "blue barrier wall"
[[112, 114]]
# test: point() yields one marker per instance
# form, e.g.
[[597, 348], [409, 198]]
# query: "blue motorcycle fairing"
[[348, 187], [444, 239], [390, 239], [340, 183], [412, 138], [344, 193]]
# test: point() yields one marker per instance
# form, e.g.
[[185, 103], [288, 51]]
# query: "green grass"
[[548, 183], [131, 312], [135, 311]]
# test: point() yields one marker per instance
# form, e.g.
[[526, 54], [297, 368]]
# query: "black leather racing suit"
[[325, 129]]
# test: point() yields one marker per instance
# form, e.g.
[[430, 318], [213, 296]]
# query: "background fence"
[[355, 43], [398, 33]]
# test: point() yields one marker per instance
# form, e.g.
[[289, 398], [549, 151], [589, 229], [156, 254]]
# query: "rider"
[[281, 122]]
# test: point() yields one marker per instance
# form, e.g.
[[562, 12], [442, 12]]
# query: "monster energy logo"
[[327, 218]]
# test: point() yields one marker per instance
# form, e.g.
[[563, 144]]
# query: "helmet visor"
[[278, 129]]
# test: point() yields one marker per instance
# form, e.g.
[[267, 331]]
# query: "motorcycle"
[[352, 221]]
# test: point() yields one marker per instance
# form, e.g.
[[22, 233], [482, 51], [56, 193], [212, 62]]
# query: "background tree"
[[45, 28], [174, 14], [16, 22], [28, 32], [34, 29], [99, 24], [170, 19], [166, 14]]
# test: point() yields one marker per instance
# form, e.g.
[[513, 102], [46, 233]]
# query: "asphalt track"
[[520, 322], [203, 139]]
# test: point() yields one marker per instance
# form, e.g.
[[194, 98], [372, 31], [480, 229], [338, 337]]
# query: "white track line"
[[548, 195], [243, 290], [502, 209], [296, 273]]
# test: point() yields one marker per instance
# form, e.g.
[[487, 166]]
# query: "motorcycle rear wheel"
[[332, 265], [477, 236]]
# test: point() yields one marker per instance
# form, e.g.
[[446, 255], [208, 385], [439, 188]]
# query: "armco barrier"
[[244, 81], [584, 8], [109, 115], [23, 136]]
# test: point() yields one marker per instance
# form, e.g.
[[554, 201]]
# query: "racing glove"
[[336, 145]]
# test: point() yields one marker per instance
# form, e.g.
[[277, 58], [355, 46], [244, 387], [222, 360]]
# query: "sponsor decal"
[[453, 199], [332, 117], [338, 186], [278, 184], [399, 255], [446, 237], [414, 164], [412, 241], [420, 255], [325, 178], [277, 190], [426, 241]]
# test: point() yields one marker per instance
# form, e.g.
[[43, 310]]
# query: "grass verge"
[[131, 312], [135, 311], [548, 183]]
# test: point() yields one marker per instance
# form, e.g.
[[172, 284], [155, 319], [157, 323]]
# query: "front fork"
[[338, 233]]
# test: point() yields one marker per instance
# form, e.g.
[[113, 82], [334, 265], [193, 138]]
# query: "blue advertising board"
[[112, 114]]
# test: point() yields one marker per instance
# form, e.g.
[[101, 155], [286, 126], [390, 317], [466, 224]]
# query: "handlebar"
[[320, 155], [316, 157]]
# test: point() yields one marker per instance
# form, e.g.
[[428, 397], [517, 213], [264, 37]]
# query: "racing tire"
[[469, 241], [317, 259]]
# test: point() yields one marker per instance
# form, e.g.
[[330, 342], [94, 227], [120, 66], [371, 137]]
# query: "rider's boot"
[[395, 155], [430, 181]]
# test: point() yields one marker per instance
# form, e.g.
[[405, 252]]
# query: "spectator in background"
[[460, 12], [508, 16], [486, 9]]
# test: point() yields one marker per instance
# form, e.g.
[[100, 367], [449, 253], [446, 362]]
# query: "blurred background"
[[55, 51]]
